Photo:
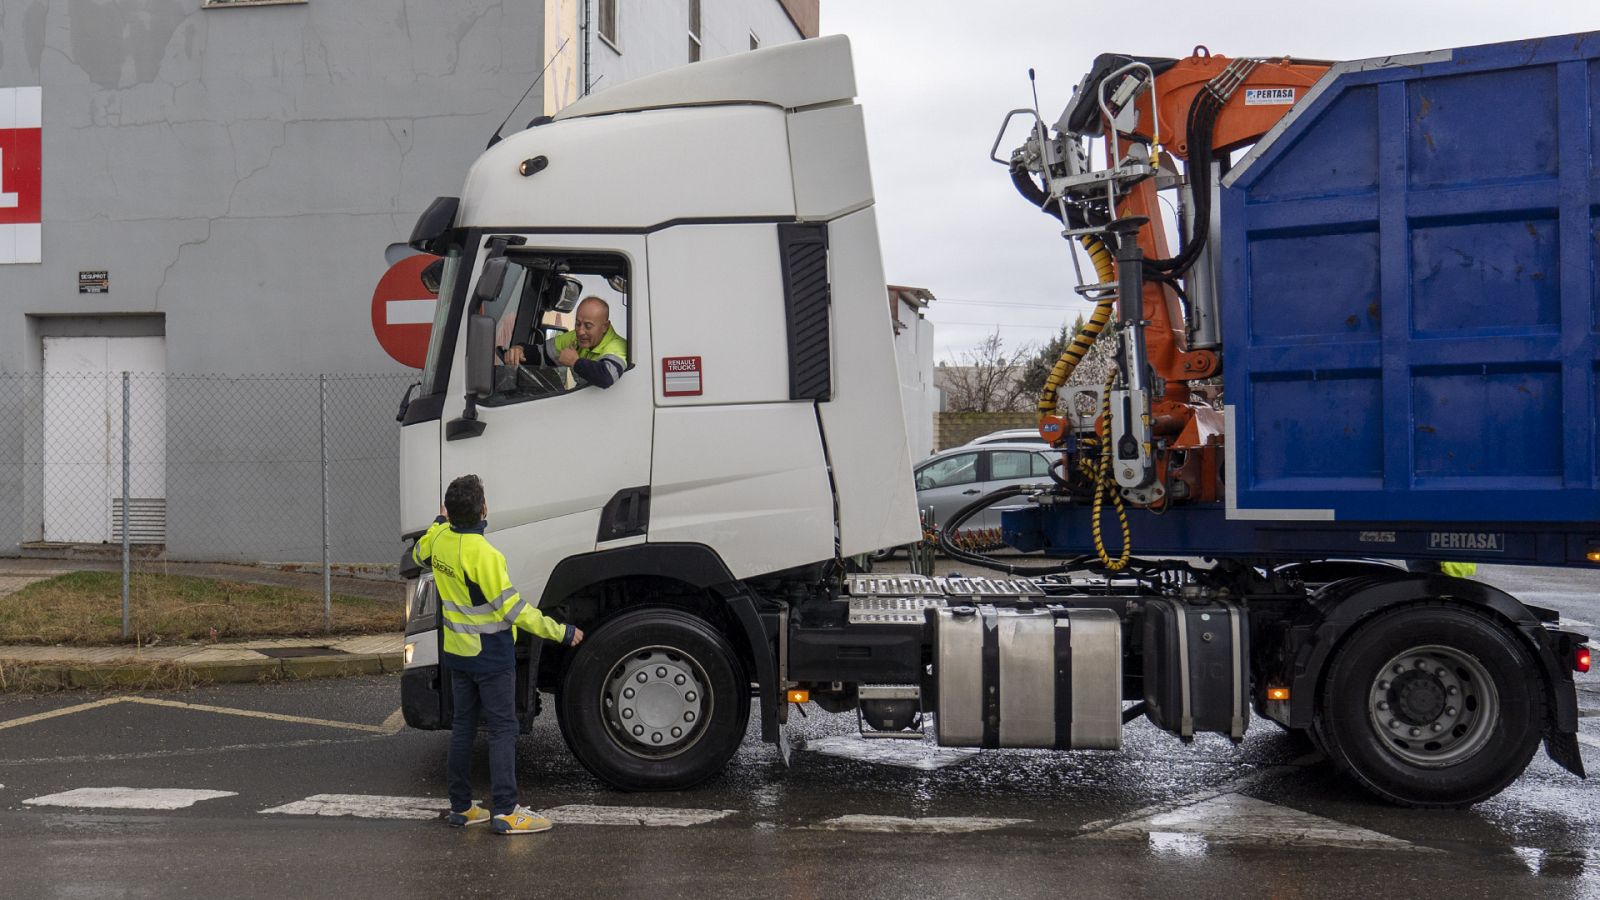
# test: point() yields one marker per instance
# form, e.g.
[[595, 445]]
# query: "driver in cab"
[[592, 349]]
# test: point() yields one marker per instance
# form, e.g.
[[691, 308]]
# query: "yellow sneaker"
[[475, 815], [521, 820]]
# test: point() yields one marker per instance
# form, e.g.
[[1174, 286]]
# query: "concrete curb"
[[20, 675]]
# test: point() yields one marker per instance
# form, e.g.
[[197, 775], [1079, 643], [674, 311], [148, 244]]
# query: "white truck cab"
[[723, 212]]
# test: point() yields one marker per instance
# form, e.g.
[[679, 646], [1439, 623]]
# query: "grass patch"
[[85, 608]]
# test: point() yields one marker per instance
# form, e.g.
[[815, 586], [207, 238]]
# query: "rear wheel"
[[654, 700], [1432, 705]]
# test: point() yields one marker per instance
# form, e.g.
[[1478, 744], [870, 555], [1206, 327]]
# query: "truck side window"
[[538, 321]]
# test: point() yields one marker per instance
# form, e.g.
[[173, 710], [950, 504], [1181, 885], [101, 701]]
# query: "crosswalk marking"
[[364, 806], [128, 798], [889, 752], [1238, 819], [928, 825], [583, 814]]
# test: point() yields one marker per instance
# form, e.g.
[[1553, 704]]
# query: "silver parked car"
[[949, 480], [1011, 436]]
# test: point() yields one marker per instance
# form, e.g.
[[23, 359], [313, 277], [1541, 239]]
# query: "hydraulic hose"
[[1106, 484], [949, 528], [1085, 338]]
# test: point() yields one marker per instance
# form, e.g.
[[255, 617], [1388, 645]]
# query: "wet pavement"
[[311, 789]]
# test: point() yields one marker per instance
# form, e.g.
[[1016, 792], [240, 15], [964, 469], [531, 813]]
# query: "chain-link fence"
[[248, 469]]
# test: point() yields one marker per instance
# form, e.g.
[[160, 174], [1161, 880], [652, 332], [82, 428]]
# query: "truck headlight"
[[411, 649]]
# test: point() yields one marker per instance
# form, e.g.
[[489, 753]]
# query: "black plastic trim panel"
[[803, 253]]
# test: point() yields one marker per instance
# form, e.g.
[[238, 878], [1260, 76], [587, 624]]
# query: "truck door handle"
[[970, 491]]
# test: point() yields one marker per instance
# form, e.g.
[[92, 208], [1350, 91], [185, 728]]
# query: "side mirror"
[[480, 355], [432, 274], [490, 280], [571, 293]]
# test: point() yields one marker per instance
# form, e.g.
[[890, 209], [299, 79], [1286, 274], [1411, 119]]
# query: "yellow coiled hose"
[[1084, 339]]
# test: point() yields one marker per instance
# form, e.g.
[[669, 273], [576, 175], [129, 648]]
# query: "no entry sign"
[[21, 114], [402, 311]]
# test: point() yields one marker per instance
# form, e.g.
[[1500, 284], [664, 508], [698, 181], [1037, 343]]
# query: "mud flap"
[[528, 702], [1563, 748], [425, 698]]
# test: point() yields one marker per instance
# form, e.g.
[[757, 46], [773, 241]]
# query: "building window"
[[755, 42], [608, 24], [694, 30]]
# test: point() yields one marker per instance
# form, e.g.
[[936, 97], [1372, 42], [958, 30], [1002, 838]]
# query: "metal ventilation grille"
[[147, 520]]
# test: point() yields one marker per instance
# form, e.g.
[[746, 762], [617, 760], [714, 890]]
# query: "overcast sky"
[[936, 77]]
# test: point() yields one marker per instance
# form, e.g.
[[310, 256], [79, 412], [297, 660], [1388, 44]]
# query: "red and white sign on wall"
[[680, 376], [21, 115], [402, 311]]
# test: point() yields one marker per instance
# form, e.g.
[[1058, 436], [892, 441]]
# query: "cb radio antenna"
[[496, 138]]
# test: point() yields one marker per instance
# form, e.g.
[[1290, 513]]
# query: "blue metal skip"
[[1411, 313], [1411, 307]]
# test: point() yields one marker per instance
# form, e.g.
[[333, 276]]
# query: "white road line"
[[257, 714], [1589, 740], [128, 798], [396, 721], [1230, 787], [655, 816], [901, 825], [1238, 819], [888, 752], [64, 711], [364, 806]]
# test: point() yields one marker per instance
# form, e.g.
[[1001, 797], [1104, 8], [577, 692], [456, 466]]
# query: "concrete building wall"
[[654, 35], [913, 348], [237, 172]]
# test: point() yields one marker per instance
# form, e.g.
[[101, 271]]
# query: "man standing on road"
[[481, 612]]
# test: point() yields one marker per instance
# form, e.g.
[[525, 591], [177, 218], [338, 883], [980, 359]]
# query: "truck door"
[[551, 448]]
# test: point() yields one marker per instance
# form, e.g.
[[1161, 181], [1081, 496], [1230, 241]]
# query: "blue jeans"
[[494, 695]]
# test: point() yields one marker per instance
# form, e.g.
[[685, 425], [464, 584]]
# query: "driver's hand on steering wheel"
[[513, 356]]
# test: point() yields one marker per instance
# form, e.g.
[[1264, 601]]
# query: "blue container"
[[1411, 305], [1410, 302]]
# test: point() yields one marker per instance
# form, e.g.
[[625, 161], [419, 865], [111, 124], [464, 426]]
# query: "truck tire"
[[654, 700], [1432, 705]]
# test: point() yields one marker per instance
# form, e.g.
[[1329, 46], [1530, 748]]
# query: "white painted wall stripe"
[[128, 798], [364, 806], [409, 312], [929, 825], [583, 814]]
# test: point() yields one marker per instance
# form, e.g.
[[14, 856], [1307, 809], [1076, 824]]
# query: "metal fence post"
[[126, 542], [322, 443]]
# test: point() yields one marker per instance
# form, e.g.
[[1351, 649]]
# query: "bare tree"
[[987, 379]]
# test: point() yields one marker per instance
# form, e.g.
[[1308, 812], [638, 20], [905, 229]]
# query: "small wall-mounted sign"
[[95, 282], [680, 376]]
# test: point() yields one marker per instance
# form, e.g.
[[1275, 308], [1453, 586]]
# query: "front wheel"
[[1432, 705], [654, 700]]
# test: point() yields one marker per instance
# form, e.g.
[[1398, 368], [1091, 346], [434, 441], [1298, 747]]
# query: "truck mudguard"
[[1345, 604], [693, 564]]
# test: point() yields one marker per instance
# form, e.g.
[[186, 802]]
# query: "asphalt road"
[[309, 789]]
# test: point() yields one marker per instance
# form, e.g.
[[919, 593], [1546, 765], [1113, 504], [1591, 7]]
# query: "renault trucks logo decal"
[[1467, 540], [1269, 96]]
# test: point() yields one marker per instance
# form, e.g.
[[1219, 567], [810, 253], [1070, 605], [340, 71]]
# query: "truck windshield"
[[441, 318]]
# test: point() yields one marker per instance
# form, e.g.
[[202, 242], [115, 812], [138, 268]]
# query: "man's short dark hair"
[[463, 501]]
